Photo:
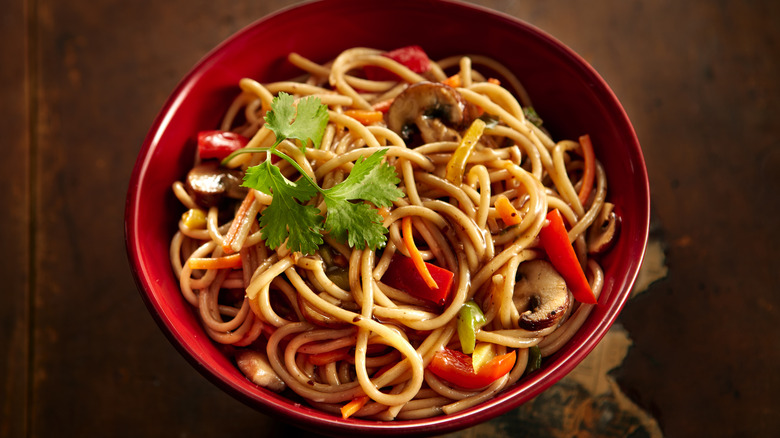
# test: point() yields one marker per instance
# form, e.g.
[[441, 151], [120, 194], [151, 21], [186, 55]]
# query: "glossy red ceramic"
[[568, 94]]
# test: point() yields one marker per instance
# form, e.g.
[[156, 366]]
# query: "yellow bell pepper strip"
[[507, 211], [534, 359], [365, 117], [470, 319], [219, 144], [483, 353], [457, 164], [588, 175], [414, 253], [225, 262], [353, 406], [194, 219], [402, 275], [456, 367], [555, 241]]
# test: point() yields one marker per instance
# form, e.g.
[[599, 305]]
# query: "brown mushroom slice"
[[433, 130], [542, 293], [604, 231], [208, 184], [255, 366], [421, 102]]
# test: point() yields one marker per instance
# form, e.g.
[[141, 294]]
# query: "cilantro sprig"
[[289, 218]]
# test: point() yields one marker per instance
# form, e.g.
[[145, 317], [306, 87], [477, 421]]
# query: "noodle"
[[331, 325]]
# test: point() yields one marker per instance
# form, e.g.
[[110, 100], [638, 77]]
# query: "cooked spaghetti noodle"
[[328, 325]]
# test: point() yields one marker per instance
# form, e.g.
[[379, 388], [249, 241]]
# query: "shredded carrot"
[[507, 211], [225, 262], [382, 106], [365, 117], [327, 357], [590, 168], [453, 81], [384, 212], [494, 81], [241, 219], [414, 253], [355, 405]]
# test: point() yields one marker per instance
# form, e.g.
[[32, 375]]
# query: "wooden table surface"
[[82, 81]]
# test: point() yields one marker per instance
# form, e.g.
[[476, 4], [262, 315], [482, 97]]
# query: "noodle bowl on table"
[[387, 236]]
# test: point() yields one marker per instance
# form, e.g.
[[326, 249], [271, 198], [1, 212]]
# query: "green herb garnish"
[[289, 218], [532, 116]]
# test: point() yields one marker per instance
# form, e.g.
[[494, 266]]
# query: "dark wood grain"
[[15, 230], [81, 82]]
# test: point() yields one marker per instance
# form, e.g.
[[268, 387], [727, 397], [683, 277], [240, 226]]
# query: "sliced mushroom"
[[604, 231], [420, 104], [540, 294], [255, 366], [208, 184]]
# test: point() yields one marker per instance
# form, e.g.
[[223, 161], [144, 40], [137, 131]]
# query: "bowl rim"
[[320, 421]]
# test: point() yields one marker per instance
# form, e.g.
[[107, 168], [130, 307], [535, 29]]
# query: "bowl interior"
[[567, 93]]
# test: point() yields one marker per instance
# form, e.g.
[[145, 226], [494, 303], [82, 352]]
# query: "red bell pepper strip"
[[382, 106], [403, 275], [555, 240], [413, 57], [456, 368], [219, 144]]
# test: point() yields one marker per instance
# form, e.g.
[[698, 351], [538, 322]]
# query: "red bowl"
[[569, 95]]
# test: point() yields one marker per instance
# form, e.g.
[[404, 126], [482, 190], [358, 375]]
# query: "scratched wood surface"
[[81, 81]]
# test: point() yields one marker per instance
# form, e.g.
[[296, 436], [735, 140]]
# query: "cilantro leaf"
[[304, 123], [354, 223], [267, 178], [370, 180], [349, 217], [286, 218]]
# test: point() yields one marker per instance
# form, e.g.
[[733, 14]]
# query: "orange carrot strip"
[[240, 220], [355, 405], [453, 81], [414, 253], [327, 357], [590, 168], [225, 262], [365, 117], [494, 81], [507, 211], [384, 212]]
